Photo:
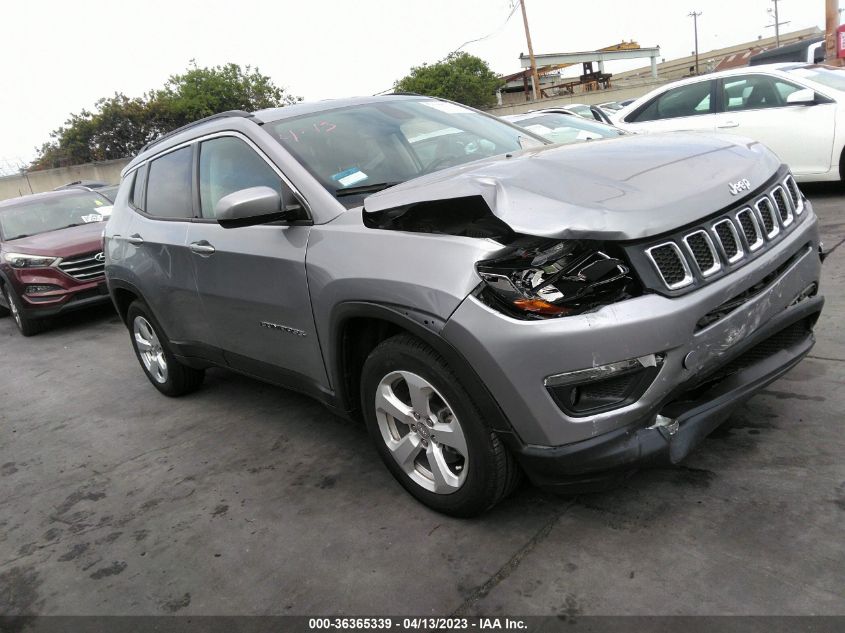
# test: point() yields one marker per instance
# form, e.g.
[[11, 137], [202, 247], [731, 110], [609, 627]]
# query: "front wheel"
[[167, 374], [26, 325], [429, 432]]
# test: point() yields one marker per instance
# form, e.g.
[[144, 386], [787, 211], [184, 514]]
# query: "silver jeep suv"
[[489, 304]]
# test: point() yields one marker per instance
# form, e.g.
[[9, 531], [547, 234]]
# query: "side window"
[[136, 198], [169, 185], [785, 89], [227, 164], [689, 100], [753, 92]]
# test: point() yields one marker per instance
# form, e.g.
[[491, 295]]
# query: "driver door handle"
[[136, 239], [202, 248], [728, 124]]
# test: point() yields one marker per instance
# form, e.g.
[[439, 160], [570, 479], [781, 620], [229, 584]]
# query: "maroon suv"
[[51, 255]]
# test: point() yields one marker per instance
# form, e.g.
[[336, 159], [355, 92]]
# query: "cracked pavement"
[[247, 499]]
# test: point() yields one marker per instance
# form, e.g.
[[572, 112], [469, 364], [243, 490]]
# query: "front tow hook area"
[[667, 426]]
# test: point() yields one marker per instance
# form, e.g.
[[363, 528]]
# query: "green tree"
[[120, 126], [460, 77]]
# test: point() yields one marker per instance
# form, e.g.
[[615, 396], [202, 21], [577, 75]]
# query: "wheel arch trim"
[[426, 328]]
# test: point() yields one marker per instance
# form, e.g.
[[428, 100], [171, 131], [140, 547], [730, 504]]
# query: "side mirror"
[[805, 96], [249, 207]]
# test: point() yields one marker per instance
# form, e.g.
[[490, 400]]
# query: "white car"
[[791, 108]]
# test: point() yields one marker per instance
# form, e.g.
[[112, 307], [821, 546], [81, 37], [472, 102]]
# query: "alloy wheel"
[[422, 432], [149, 349]]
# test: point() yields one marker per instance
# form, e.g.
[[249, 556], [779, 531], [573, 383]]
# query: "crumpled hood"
[[617, 189]]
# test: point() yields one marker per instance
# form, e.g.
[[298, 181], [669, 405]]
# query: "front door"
[[251, 280], [756, 106]]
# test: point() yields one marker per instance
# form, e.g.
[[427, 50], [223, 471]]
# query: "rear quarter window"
[[168, 193]]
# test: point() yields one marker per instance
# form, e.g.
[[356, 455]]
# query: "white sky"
[[60, 56]]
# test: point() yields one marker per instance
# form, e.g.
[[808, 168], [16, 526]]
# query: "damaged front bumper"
[[681, 423], [707, 368]]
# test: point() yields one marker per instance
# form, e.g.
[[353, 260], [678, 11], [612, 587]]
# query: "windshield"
[[356, 150], [824, 75], [51, 214], [565, 128]]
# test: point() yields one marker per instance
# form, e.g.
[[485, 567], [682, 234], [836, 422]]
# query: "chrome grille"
[[728, 240], [767, 214], [84, 267], [784, 210], [671, 265], [701, 248], [750, 229], [794, 195]]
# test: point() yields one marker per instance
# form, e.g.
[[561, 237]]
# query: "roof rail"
[[220, 115]]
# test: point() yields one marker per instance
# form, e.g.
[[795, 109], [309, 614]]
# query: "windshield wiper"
[[372, 188]]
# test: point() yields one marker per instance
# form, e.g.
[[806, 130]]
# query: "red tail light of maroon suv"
[[51, 255]]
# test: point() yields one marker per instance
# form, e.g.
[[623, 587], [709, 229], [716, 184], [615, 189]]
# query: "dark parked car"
[[51, 257], [567, 311]]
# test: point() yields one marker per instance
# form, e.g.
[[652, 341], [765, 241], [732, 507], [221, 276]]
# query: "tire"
[[26, 325], [4, 312], [153, 352], [429, 432]]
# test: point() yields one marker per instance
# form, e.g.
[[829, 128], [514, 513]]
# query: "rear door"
[[156, 249], [251, 280], [755, 105], [686, 108]]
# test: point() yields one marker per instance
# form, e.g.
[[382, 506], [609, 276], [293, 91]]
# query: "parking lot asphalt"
[[248, 499]]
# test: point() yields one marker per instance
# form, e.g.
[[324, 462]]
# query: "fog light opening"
[[40, 289], [604, 387]]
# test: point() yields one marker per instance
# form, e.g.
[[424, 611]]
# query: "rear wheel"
[[26, 325], [167, 374], [429, 432]]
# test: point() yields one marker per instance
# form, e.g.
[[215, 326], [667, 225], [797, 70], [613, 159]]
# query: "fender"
[[427, 328], [114, 284]]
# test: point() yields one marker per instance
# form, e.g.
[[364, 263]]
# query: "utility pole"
[[831, 24], [535, 78], [694, 15], [777, 24]]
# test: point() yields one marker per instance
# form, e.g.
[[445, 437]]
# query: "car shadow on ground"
[[80, 320], [822, 189]]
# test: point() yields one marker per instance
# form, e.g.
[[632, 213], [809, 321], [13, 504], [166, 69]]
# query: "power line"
[[479, 39], [496, 32]]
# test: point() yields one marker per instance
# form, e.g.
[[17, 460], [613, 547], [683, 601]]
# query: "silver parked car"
[[563, 128], [486, 307]]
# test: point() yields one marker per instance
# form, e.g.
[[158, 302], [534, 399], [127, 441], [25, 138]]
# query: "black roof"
[[795, 52]]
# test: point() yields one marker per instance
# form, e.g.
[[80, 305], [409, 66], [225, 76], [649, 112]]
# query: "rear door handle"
[[136, 239], [728, 124], [202, 248]]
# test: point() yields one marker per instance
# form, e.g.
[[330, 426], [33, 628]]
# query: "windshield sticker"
[[350, 176], [537, 128], [93, 217], [445, 106]]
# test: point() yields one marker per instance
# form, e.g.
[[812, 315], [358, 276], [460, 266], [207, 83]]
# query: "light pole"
[[694, 15]]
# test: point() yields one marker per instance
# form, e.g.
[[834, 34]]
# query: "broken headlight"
[[554, 279]]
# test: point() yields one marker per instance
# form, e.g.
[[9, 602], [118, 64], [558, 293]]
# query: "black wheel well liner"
[[122, 295], [358, 327]]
